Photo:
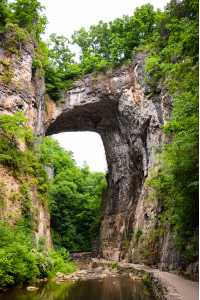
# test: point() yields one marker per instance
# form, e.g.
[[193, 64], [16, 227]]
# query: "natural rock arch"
[[121, 108]]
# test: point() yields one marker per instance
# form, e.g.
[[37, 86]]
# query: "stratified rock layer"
[[128, 116]]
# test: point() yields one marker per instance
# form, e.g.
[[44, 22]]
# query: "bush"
[[17, 260], [21, 261], [61, 262]]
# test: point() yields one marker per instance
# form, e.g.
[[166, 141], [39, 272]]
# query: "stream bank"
[[100, 279]]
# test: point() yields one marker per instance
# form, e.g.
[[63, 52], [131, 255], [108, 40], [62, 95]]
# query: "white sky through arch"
[[66, 16], [86, 147]]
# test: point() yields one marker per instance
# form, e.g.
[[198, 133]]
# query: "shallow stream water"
[[117, 288]]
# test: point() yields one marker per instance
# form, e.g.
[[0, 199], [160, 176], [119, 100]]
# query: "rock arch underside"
[[128, 115]]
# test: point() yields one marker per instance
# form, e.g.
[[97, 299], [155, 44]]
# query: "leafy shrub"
[[20, 261], [61, 263], [17, 261]]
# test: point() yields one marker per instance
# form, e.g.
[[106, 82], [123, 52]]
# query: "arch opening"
[[76, 191]]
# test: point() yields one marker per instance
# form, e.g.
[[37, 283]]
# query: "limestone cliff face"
[[22, 90], [128, 115]]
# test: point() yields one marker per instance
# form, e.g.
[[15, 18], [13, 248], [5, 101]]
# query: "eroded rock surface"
[[21, 88]]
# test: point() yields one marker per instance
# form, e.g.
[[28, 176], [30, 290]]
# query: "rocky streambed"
[[97, 270]]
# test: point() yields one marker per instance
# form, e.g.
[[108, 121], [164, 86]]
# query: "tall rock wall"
[[22, 90]]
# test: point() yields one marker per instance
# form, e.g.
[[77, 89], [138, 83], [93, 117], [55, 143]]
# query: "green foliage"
[[53, 155], [27, 14], [61, 69], [4, 13], [21, 261], [114, 42], [60, 55], [12, 126], [61, 262], [16, 37], [114, 265], [75, 198], [147, 246], [17, 261], [15, 136], [22, 21], [11, 130], [40, 60], [5, 73], [26, 205]]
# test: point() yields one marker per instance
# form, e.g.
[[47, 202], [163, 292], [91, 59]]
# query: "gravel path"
[[177, 287]]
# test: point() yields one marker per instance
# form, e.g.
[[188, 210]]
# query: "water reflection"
[[120, 288]]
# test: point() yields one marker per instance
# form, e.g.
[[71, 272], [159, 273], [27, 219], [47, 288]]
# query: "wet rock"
[[87, 274]]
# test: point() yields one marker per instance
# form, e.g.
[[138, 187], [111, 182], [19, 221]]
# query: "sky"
[[65, 17]]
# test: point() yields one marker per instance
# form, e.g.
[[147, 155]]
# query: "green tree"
[[75, 199], [27, 14], [61, 69], [4, 14]]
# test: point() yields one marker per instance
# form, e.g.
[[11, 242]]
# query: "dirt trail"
[[177, 287]]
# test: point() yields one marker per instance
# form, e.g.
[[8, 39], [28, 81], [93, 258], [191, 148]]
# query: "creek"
[[109, 288]]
